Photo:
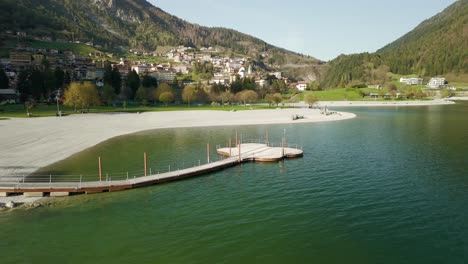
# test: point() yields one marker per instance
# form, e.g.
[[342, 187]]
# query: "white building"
[[164, 76], [435, 83], [412, 81], [260, 83], [278, 75], [301, 86], [139, 69]]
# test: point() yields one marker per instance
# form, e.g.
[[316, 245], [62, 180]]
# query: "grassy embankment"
[[19, 110], [343, 94]]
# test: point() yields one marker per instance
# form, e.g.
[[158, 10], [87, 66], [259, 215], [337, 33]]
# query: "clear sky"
[[323, 29]]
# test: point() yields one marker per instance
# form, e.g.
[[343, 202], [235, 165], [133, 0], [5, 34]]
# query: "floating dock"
[[248, 152]]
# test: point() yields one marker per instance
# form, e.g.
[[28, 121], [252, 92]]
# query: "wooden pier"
[[248, 152]]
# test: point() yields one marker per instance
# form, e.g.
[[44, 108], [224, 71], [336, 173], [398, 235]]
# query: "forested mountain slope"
[[437, 46]]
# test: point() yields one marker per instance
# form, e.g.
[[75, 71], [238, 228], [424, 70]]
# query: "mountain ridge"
[[136, 24], [437, 46]]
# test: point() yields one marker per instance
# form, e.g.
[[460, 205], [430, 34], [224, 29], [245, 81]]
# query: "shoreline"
[[380, 103], [30, 144]]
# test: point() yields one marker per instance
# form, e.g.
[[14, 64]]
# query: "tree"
[[50, 82], [247, 96], [37, 84], [277, 98], [72, 95], [310, 99], [166, 98], [107, 74], [59, 78], [108, 95], [4, 82], [189, 93], [116, 80], [141, 95], [24, 85], [149, 81], [225, 97], [163, 87], [133, 82], [81, 94]]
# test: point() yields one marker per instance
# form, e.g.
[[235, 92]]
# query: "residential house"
[[301, 86], [38, 58], [411, 81], [225, 80], [8, 95], [182, 69], [123, 69], [19, 60], [435, 83], [278, 75], [140, 69], [260, 82], [166, 76]]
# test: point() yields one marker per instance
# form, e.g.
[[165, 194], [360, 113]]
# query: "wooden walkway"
[[249, 152]]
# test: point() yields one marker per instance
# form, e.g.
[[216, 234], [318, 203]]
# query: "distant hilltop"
[[438, 46], [138, 25]]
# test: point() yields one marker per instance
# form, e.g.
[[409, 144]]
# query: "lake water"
[[390, 186]]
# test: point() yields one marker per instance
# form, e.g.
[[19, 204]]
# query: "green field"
[[10, 44], [76, 48], [343, 94], [19, 110]]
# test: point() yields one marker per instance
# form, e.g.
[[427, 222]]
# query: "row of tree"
[[85, 94]]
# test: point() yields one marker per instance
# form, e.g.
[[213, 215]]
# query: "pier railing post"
[[230, 146], [239, 149], [144, 162], [100, 169], [208, 152], [282, 147]]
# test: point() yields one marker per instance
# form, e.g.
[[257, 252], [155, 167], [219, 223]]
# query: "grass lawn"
[[19, 111], [342, 94], [459, 85], [76, 48], [10, 44]]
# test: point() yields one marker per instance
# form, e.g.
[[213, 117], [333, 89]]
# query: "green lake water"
[[390, 186]]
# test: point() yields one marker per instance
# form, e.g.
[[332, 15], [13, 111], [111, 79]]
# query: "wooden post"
[[266, 139], [239, 148], [100, 169], [237, 140], [282, 147], [208, 152], [144, 158], [230, 146]]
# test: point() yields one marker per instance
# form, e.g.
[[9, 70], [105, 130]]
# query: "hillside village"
[[178, 66]]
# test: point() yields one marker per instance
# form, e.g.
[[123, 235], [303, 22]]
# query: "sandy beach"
[[28, 144]]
